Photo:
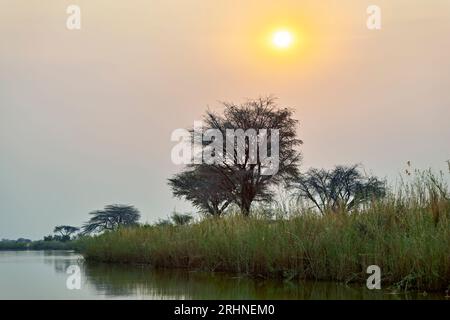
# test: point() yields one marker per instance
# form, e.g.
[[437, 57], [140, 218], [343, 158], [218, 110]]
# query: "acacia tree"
[[205, 187], [65, 232], [112, 217], [343, 187], [246, 173]]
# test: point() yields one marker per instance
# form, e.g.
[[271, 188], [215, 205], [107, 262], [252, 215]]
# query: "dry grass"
[[407, 234]]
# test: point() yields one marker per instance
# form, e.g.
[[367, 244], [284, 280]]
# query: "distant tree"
[[65, 232], [163, 223], [344, 187], [206, 187], [246, 173], [180, 219], [48, 238], [23, 240], [112, 217]]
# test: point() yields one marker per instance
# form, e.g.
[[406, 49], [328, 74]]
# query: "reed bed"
[[407, 234]]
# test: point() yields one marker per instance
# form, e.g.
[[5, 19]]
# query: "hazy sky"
[[86, 115]]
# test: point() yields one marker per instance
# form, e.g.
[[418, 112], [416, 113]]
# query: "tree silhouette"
[[65, 232], [344, 187], [205, 186], [112, 217], [251, 180]]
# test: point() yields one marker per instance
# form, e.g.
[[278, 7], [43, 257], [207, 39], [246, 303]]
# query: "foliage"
[[6, 244], [112, 217], [342, 189], [205, 186], [65, 230], [406, 234], [180, 219], [36, 245], [163, 223], [249, 180]]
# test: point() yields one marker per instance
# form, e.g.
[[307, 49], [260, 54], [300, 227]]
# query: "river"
[[44, 275]]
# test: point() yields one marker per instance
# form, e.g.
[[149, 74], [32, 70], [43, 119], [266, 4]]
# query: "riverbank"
[[408, 238], [10, 245]]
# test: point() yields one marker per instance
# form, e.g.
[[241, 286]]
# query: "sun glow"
[[282, 39]]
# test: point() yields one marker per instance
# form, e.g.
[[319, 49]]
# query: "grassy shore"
[[407, 235], [36, 245]]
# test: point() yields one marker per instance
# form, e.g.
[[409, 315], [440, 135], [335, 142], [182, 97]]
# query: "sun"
[[282, 39]]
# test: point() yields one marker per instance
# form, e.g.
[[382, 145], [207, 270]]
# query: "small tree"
[[180, 219], [65, 232], [341, 188], [112, 217], [206, 187]]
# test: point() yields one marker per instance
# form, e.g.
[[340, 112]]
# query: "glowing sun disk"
[[282, 39]]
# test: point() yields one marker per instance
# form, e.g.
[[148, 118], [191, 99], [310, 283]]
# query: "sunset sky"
[[86, 115]]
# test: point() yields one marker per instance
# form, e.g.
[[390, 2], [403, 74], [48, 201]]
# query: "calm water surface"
[[42, 275]]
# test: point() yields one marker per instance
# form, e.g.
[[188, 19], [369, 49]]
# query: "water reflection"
[[61, 260], [42, 275], [141, 281]]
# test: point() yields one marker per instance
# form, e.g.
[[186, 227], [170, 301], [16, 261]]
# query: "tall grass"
[[407, 234]]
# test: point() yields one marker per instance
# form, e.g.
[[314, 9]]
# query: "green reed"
[[407, 234]]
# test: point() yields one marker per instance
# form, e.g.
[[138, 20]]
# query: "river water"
[[65, 275]]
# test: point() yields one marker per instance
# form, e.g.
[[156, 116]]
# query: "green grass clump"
[[406, 234]]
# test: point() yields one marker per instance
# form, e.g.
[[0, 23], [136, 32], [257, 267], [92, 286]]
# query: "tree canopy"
[[241, 174], [65, 231], [111, 217], [343, 187], [205, 186]]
